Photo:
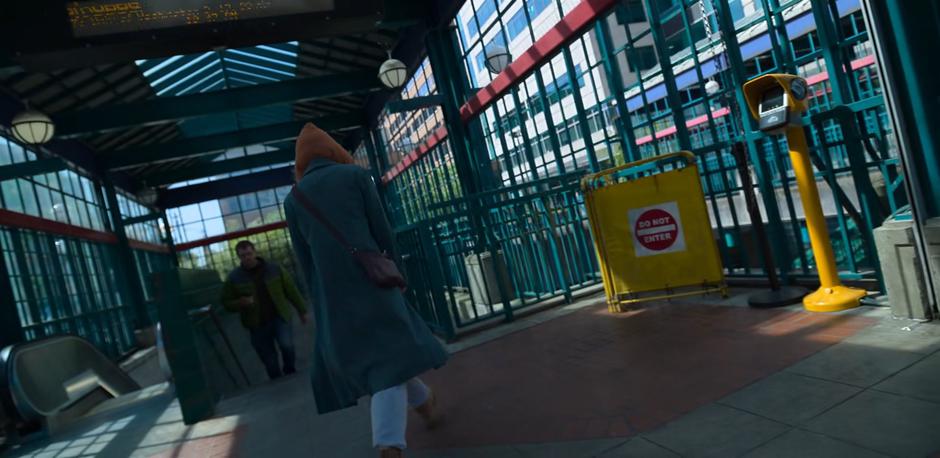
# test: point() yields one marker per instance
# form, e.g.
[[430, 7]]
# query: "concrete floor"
[[753, 383]]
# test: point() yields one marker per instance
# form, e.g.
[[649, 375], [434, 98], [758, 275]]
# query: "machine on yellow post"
[[778, 101]]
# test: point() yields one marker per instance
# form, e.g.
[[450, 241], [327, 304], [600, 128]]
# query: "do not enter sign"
[[657, 229]]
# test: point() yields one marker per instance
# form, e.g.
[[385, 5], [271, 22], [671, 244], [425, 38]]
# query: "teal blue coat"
[[367, 338]]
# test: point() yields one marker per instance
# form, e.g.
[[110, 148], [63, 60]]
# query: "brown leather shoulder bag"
[[379, 267]]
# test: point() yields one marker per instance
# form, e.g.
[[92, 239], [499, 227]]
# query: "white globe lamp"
[[32, 127], [497, 59], [148, 196], [712, 87], [393, 73]]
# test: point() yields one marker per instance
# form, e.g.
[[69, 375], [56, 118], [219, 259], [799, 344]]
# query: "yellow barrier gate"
[[652, 232]]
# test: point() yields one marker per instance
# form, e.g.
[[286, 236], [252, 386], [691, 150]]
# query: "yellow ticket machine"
[[778, 102]]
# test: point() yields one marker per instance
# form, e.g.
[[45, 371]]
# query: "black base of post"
[[786, 295]]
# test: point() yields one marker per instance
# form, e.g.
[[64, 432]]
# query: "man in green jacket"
[[266, 297]]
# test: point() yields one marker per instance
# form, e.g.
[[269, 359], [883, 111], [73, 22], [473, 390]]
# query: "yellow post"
[[832, 296]]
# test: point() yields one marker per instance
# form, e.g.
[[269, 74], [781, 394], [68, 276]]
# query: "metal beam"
[[221, 189], [163, 109], [48, 43], [217, 168], [198, 146], [244, 233], [70, 150], [11, 329], [142, 219], [568, 29], [414, 103], [26, 169], [128, 272], [673, 99]]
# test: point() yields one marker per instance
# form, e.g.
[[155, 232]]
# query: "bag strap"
[[322, 219]]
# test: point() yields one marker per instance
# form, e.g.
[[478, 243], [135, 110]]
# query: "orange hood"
[[314, 143]]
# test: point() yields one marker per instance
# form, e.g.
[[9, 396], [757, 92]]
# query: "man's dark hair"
[[244, 244]]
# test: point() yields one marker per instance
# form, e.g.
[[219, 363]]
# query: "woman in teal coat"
[[369, 341]]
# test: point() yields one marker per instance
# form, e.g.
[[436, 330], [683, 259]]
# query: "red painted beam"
[[856, 64], [147, 246], [21, 221], [230, 236], [568, 29], [435, 139]]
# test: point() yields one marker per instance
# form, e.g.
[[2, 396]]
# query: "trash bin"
[[484, 270]]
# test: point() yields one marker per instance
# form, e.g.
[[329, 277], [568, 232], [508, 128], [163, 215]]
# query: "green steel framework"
[[90, 275], [532, 224], [454, 206]]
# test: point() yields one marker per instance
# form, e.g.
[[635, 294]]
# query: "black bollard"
[[778, 295]]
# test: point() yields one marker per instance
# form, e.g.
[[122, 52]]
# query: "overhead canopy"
[[152, 94]]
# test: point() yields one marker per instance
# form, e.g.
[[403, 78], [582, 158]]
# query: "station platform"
[[694, 377]]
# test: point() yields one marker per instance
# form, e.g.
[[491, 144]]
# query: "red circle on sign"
[[656, 229]]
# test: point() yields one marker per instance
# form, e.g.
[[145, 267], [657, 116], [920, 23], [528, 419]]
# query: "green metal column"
[[390, 200], [524, 135], [380, 154], [776, 231], [832, 54], [907, 32], [196, 398], [370, 154], [127, 266], [612, 72], [23, 266], [174, 258], [11, 331], [450, 85], [669, 77], [779, 38], [470, 154], [545, 101], [374, 166], [436, 281], [581, 112], [904, 33]]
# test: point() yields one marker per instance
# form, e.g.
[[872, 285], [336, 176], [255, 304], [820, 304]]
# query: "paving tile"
[[572, 449], [518, 390], [805, 444], [45, 455], [790, 398], [922, 380], [885, 422], [638, 447], [703, 353], [72, 452], [716, 430], [902, 336], [858, 365], [94, 449], [474, 452]]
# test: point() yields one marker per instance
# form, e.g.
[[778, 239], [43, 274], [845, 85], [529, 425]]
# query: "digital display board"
[[104, 17]]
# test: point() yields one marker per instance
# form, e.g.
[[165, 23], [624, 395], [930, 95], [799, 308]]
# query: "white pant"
[[390, 412]]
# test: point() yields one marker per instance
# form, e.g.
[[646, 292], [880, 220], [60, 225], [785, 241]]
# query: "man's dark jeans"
[[263, 339]]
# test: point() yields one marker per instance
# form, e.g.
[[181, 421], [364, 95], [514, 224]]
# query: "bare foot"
[[390, 452], [429, 413]]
